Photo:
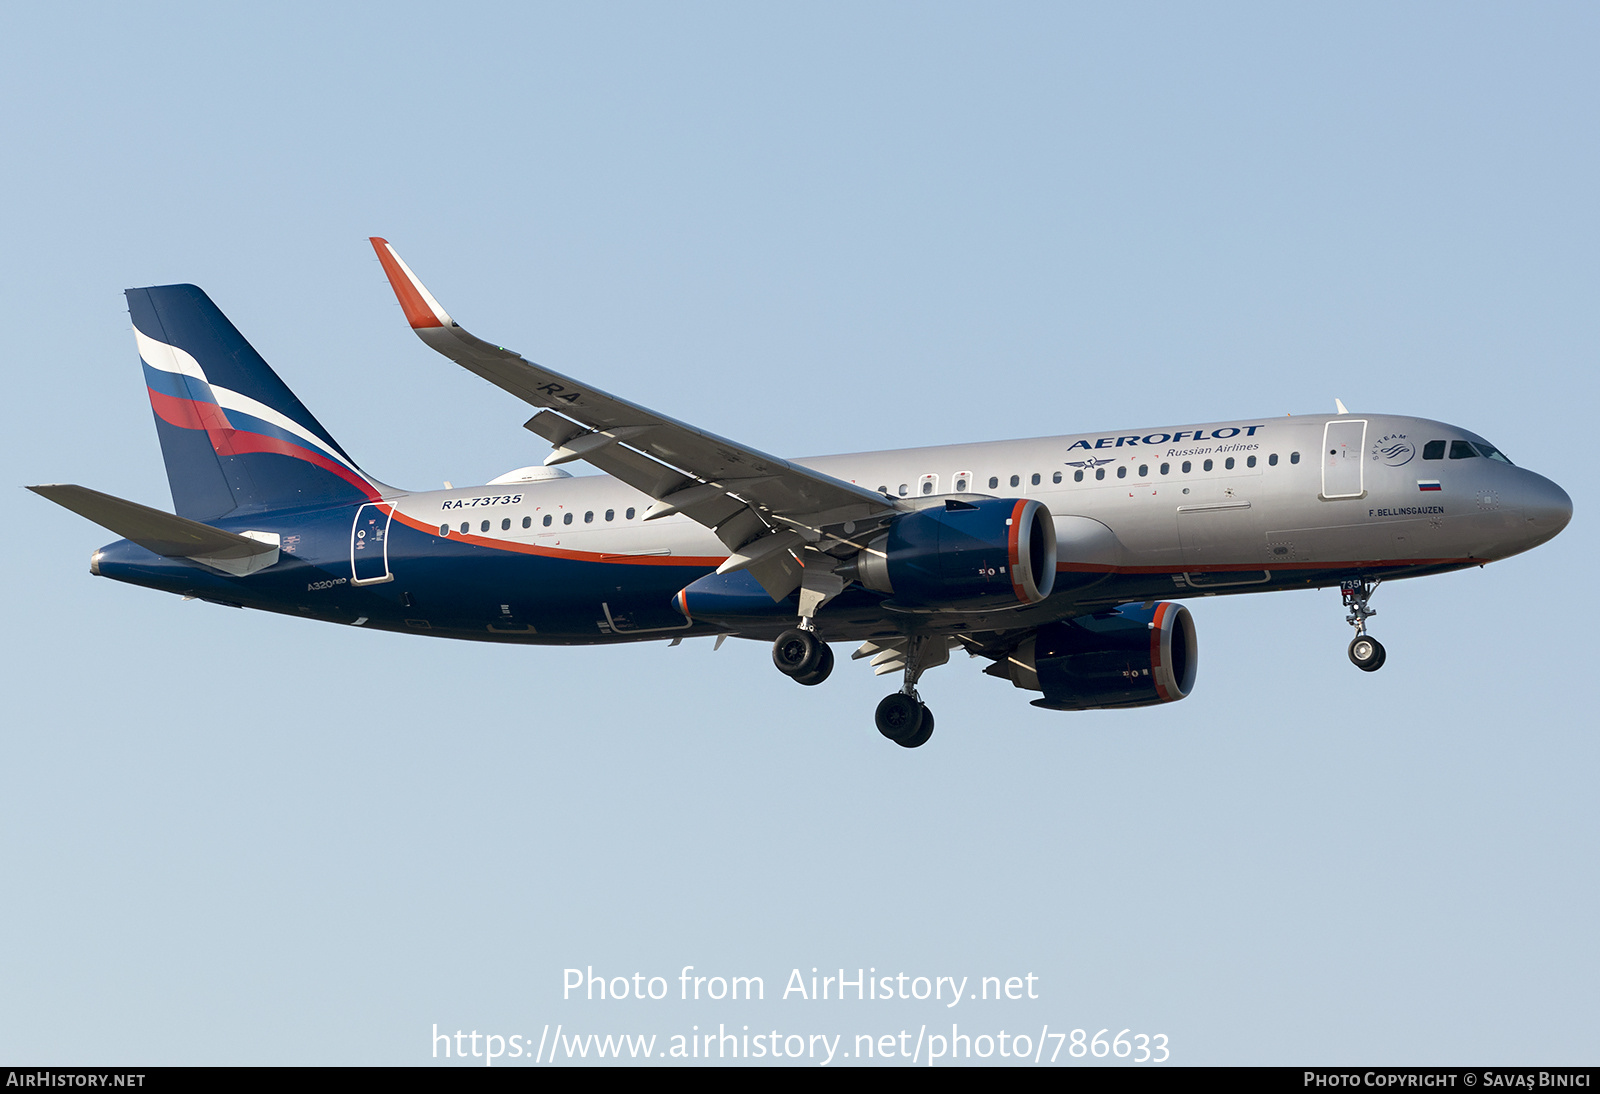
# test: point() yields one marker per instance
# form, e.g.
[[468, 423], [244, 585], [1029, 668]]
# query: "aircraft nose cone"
[[1546, 507]]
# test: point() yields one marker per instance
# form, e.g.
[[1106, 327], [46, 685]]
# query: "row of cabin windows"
[[527, 522], [1100, 473], [1186, 468], [1462, 450]]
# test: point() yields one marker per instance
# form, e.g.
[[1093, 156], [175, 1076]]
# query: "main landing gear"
[[1366, 652], [903, 717], [802, 656]]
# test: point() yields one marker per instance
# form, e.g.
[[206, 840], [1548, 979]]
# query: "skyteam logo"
[[1394, 450]]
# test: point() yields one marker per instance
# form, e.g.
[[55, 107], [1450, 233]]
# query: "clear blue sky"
[[234, 837]]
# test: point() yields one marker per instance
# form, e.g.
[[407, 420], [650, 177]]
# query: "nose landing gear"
[[1366, 652]]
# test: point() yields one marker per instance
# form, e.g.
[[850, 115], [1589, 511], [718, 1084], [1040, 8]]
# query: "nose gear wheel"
[[1366, 652]]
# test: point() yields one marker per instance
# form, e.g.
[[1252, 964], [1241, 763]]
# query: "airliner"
[[1061, 561]]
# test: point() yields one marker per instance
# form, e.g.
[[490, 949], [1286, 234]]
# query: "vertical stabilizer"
[[232, 434]]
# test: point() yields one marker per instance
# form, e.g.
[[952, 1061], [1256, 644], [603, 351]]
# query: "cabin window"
[[588, 518], [1461, 450], [465, 527], [927, 487], [527, 522], [547, 520], [1099, 472], [1166, 469], [1433, 450], [1035, 479], [1016, 480], [1122, 472], [1272, 460], [994, 482], [566, 518], [961, 486], [1228, 464], [1209, 465], [629, 514], [1187, 467], [484, 527], [1294, 457], [444, 529], [1077, 476], [505, 525], [904, 490], [1144, 471], [1056, 477], [1250, 461], [611, 514]]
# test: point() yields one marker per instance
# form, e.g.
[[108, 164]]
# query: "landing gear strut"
[[903, 717], [1366, 652]]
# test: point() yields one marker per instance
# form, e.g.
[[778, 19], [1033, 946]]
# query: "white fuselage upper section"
[[1271, 491]]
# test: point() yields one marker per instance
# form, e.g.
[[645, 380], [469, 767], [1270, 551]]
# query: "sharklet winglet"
[[422, 310]]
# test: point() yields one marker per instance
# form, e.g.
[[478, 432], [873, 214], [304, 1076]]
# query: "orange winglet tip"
[[421, 309]]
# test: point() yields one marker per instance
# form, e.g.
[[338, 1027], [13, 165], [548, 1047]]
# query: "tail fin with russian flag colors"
[[233, 435]]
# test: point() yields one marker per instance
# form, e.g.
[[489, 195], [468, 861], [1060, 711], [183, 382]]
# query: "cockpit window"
[[1433, 450], [1490, 451], [1461, 450]]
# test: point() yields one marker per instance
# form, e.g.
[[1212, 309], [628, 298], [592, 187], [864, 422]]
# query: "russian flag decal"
[[1427, 484]]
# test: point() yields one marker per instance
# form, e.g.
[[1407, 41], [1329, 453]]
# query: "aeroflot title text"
[[1225, 433]]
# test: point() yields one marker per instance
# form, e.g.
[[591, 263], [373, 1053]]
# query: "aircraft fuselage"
[[1247, 506]]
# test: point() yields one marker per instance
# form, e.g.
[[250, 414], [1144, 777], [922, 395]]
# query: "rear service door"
[[1342, 445], [369, 545]]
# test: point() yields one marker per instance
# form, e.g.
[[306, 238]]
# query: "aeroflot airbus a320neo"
[[1048, 557]]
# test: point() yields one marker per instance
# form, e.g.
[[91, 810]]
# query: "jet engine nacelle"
[[1129, 656], [986, 551]]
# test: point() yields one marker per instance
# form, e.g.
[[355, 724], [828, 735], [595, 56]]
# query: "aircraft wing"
[[762, 507]]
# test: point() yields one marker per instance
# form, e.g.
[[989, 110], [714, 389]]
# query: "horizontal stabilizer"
[[161, 532]]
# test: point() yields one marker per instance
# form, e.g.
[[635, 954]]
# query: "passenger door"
[[1343, 443], [369, 545]]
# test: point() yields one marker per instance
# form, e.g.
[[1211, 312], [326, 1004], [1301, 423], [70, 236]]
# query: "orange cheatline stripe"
[[418, 314], [606, 558], [1247, 567]]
